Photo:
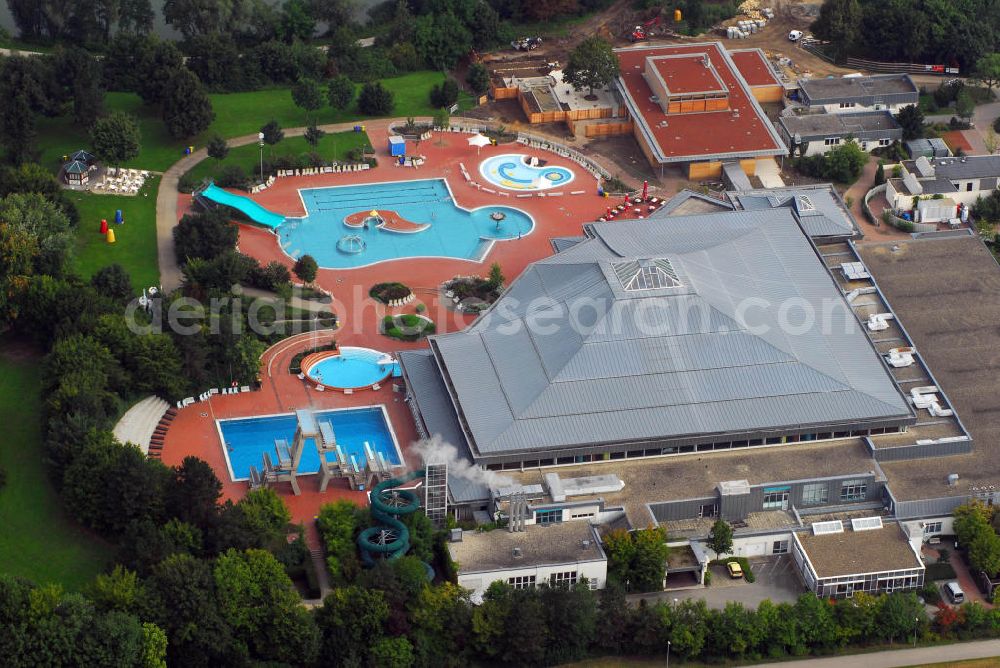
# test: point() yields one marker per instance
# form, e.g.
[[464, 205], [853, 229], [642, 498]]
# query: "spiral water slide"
[[389, 539]]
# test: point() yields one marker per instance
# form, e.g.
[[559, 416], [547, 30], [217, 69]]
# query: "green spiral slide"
[[389, 539]]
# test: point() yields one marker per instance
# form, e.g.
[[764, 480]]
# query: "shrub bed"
[[407, 327], [295, 366], [940, 571], [387, 292]]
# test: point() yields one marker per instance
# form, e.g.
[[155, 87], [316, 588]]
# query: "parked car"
[[795, 35], [735, 570], [954, 593]]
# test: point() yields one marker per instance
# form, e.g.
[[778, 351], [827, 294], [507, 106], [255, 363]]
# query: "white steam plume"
[[435, 450]]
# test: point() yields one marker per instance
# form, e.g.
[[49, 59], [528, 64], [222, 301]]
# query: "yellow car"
[[735, 570]]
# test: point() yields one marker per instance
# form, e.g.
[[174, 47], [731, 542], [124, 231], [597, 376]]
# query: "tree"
[[257, 599], [114, 282], [984, 552], [964, 106], [880, 173], [204, 235], [182, 601], [351, 620], [297, 21], [637, 560], [157, 65], [340, 92], [115, 138], [265, 514], [272, 133], [838, 24], [375, 99], [991, 140], [118, 590], [17, 127], [305, 268], [308, 95], [186, 109], [572, 610], [217, 147], [313, 135], [592, 64], [720, 538], [445, 93], [971, 520], [154, 645], [988, 70], [44, 233], [897, 615], [496, 279], [911, 120], [844, 163], [193, 493], [478, 78], [441, 40]]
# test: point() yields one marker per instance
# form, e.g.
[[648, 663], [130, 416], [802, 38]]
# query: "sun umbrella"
[[374, 213], [479, 141]]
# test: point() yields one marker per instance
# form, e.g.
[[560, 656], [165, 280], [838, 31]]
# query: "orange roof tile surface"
[[741, 131], [753, 67]]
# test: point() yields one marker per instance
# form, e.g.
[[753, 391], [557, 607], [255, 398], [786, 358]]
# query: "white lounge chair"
[[245, 388]]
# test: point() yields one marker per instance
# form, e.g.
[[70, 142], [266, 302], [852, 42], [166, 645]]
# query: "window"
[[884, 142], [564, 579], [815, 493], [854, 490], [831, 141], [932, 527], [776, 498], [708, 510], [847, 105], [522, 581], [592, 584], [968, 187], [779, 547], [580, 516], [549, 516]]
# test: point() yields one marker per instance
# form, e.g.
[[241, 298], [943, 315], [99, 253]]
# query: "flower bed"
[[407, 327], [391, 293]]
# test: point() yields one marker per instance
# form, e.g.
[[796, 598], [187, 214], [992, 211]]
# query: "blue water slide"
[[244, 205]]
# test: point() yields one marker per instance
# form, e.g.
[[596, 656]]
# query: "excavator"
[[645, 30]]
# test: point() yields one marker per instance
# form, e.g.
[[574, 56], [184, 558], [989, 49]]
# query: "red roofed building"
[[698, 105]]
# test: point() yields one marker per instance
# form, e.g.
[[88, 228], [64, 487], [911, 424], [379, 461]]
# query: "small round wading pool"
[[514, 172], [349, 368]]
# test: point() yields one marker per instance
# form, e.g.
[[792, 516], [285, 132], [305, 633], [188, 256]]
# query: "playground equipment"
[[285, 466], [110, 236], [389, 539]]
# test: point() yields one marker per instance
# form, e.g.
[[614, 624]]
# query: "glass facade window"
[[815, 493], [522, 582], [779, 547], [854, 490], [564, 579], [708, 510], [549, 516], [932, 527], [776, 498]]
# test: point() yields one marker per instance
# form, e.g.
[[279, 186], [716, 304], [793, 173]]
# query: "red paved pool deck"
[[194, 431]]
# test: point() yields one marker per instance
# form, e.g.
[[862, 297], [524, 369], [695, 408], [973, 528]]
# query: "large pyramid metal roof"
[[586, 348]]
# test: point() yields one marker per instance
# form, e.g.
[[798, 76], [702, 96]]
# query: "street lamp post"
[[260, 143], [916, 624], [668, 654]]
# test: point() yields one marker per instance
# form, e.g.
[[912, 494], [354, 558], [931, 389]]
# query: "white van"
[[954, 593]]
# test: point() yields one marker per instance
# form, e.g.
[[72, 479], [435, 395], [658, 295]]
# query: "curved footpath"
[[166, 198]]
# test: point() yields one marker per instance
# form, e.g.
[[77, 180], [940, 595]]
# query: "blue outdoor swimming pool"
[[246, 439], [353, 368], [450, 231], [512, 171]]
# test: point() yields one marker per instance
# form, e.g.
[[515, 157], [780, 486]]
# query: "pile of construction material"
[[757, 18]]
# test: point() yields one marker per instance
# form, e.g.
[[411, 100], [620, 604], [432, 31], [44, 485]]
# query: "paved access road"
[[981, 649]]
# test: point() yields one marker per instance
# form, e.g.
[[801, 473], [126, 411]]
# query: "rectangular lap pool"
[[244, 440]]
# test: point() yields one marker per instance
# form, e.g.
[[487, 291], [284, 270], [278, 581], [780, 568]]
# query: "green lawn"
[[235, 114], [332, 147], [37, 541], [135, 240]]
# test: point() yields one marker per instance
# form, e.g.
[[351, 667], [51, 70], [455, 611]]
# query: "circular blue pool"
[[514, 172], [349, 368]]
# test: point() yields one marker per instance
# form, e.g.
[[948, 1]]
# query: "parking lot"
[[776, 580]]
